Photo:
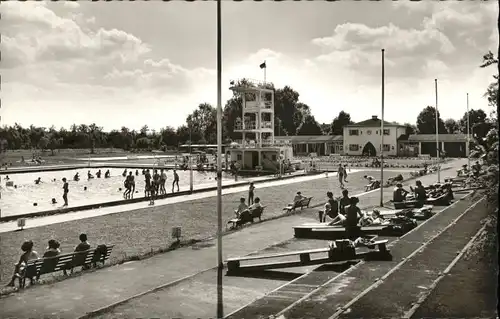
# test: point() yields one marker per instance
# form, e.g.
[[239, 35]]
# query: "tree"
[[426, 122], [492, 90], [339, 122], [410, 129], [325, 128], [285, 105], [43, 143], [143, 143], [54, 143], [479, 124], [169, 136], [452, 126], [309, 127], [203, 123]]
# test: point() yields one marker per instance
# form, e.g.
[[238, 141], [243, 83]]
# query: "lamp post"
[[468, 133], [437, 134], [382, 135], [189, 162], [220, 306]]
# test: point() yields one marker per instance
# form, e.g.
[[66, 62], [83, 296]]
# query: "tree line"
[[292, 117]]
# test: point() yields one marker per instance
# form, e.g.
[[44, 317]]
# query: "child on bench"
[[241, 208]]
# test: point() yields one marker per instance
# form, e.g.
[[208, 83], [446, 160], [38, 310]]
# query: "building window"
[[369, 132], [376, 132], [273, 158], [353, 132], [353, 147], [387, 132], [238, 157], [387, 147]]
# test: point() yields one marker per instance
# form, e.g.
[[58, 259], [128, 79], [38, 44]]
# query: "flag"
[[263, 65]]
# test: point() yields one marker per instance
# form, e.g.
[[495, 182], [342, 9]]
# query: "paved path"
[[76, 296]]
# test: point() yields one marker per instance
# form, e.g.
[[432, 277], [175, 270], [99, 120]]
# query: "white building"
[[257, 150], [365, 138]]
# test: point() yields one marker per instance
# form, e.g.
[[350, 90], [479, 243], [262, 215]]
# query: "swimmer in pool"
[[89, 175], [7, 178], [38, 180], [98, 174], [124, 174], [76, 178], [136, 172], [107, 174]]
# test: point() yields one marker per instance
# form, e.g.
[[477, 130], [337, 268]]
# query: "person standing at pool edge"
[[176, 181], [340, 173], [65, 191]]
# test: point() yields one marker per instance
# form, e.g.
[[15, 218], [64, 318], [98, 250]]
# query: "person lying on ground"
[[399, 194], [392, 180], [373, 183], [241, 207], [28, 254], [53, 249]]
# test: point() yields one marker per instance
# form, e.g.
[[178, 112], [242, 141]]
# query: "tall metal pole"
[[382, 135], [468, 133], [220, 306], [190, 161], [437, 134], [265, 70]]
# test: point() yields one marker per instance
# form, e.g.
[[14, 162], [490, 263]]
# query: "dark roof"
[[311, 138], [373, 122], [441, 138]]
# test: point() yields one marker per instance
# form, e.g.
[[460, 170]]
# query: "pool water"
[[15, 201]]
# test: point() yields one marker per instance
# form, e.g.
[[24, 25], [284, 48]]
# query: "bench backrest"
[[257, 212], [65, 261]]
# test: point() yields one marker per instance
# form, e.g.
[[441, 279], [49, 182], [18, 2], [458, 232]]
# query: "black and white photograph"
[[249, 159]]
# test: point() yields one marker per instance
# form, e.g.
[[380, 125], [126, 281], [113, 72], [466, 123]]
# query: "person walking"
[[176, 181], [250, 194], [341, 175]]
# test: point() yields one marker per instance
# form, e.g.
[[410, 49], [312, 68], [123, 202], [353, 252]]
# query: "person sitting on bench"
[[399, 194], [28, 254], [344, 201], [255, 205], [53, 249], [419, 190], [241, 208], [296, 201]]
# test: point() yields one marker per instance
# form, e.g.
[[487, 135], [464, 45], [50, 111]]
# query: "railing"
[[248, 126], [249, 83], [255, 104], [266, 125]]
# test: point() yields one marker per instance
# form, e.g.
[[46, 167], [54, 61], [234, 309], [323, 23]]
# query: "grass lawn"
[[143, 231]]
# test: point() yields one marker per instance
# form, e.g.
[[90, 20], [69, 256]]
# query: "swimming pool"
[[15, 201]]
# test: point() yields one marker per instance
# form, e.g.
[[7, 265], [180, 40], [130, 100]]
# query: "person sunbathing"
[[399, 194], [372, 183], [28, 254]]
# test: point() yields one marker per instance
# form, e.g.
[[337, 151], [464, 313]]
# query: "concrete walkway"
[[75, 297]]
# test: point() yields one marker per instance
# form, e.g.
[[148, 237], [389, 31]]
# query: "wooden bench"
[[300, 204], [63, 262], [337, 253], [247, 216]]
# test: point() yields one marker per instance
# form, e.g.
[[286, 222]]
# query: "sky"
[[135, 63]]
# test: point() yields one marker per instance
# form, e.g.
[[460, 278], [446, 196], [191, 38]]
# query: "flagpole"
[[382, 136], [437, 133], [220, 306], [265, 70], [468, 133]]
